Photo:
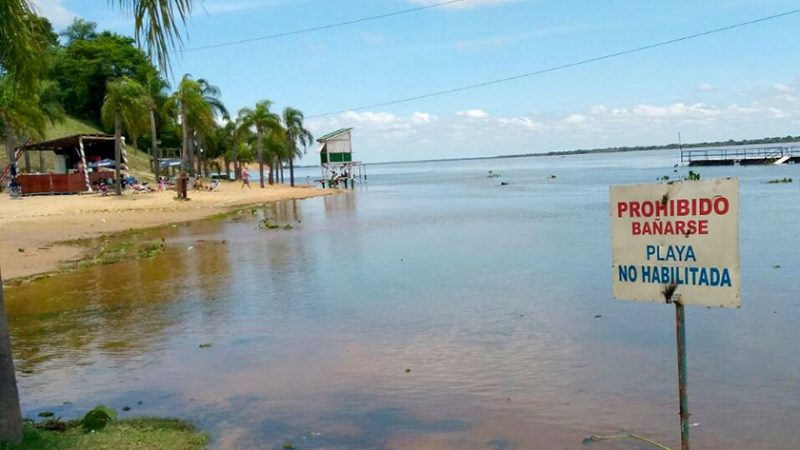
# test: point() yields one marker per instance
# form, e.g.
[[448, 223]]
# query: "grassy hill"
[[138, 162]]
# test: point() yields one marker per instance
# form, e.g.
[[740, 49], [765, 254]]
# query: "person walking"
[[245, 178]]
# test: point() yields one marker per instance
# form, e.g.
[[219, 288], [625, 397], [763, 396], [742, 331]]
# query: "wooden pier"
[[786, 152]]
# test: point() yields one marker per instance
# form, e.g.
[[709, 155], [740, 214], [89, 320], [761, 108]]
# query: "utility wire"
[[325, 27], [562, 66]]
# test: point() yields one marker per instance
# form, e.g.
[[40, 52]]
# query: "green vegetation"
[[267, 224], [780, 180], [295, 134], [693, 176], [268, 126], [84, 67], [125, 106], [92, 76], [113, 251], [138, 434]]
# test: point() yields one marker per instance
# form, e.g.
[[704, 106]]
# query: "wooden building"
[[336, 159], [82, 161]]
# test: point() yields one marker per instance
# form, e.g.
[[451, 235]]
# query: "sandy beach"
[[33, 227]]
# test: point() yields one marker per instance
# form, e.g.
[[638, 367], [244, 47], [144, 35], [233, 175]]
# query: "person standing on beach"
[[245, 178]]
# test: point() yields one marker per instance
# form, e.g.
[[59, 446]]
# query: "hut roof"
[[69, 144], [333, 134]]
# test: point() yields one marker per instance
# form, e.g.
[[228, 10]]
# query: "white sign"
[[679, 239]]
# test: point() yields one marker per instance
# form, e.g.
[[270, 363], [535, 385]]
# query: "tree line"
[[35, 69], [105, 79]]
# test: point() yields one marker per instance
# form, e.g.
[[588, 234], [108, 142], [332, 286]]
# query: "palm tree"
[[21, 48], [46, 109], [196, 104], [192, 110], [79, 30], [264, 121], [25, 111], [242, 134], [125, 105], [156, 23], [155, 96], [230, 136], [295, 134], [211, 95]]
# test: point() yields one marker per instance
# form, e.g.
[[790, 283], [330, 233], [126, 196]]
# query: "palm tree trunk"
[[11, 418], [41, 162], [10, 149], [185, 162], [154, 145], [271, 171], [291, 171], [236, 164], [117, 152], [260, 145]]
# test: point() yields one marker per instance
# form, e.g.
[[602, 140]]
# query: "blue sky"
[[738, 84]]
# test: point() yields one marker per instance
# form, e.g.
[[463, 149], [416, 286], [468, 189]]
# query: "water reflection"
[[438, 309]]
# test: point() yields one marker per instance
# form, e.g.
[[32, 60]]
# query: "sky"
[[738, 84]]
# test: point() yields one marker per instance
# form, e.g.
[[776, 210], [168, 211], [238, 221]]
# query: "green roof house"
[[336, 157]]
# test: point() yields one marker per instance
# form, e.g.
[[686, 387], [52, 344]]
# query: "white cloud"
[[673, 111], [421, 117], [375, 118], [55, 12], [783, 88], [574, 119], [387, 136], [473, 113], [524, 122]]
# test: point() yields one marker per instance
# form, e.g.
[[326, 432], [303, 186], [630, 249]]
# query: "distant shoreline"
[[762, 141]]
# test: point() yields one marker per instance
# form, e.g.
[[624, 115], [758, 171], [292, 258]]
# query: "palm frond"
[[157, 25], [21, 49]]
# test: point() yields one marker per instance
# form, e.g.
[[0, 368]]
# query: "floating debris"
[[208, 345]]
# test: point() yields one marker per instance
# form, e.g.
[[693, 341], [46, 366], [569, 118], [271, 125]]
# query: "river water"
[[429, 308]]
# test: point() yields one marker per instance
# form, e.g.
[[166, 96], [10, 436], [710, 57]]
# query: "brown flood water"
[[409, 315]]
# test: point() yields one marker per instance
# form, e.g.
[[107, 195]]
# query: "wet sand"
[[33, 227]]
